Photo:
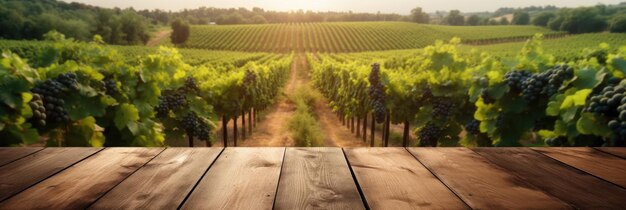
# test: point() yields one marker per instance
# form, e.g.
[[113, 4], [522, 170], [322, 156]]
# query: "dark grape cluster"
[[39, 110], [442, 107], [50, 92], [515, 79], [473, 127], [546, 83], [557, 141], [68, 79], [196, 127], [110, 86], [487, 99], [377, 94], [190, 85], [172, 101], [429, 134], [427, 95], [611, 102]]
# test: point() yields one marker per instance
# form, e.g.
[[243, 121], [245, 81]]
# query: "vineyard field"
[[344, 36]]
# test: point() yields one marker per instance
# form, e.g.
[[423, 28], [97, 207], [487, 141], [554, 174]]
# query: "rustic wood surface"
[[480, 183], [598, 163], [80, 185], [564, 181], [163, 183], [8, 154], [25, 172], [312, 178], [617, 151], [391, 178], [316, 178], [241, 178]]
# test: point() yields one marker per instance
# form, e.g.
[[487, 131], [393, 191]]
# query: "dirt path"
[[273, 131], [158, 37]]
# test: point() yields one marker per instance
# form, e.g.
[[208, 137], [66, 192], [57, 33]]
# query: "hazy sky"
[[385, 6]]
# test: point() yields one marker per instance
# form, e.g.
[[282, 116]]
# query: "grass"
[[343, 36], [305, 129]]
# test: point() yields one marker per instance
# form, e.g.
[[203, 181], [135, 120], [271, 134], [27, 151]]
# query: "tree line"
[[32, 19], [573, 20]]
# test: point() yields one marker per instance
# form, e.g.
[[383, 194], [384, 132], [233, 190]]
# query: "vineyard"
[[345, 36], [451, 98], [89, 94]]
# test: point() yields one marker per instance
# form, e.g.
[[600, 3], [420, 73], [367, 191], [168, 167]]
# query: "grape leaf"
[[125, 114], [591, 124]]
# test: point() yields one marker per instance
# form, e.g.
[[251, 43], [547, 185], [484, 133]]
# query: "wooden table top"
[[313, 178]]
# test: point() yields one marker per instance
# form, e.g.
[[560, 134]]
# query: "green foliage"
[[344, 36], [543, 18], [617, 24], [480, 88], [114, 102], [455, 18], [180, 31], [419, 16], [520, 18], [305, 129], [32, 19]]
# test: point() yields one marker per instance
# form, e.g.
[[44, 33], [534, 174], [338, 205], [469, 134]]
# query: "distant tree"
[[520, 18], [473, 20], [543, 18], [504, 21], [455, 18], [583, 20], [493, 22], [258, 19], [180, 31], [618, 24], [555, 23], [419, 16]]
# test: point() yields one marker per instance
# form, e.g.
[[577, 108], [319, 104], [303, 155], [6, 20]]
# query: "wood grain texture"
[[25, 172], [481, 184], [10, 154], [566, 183], [80, 185], [390, 178], [598, 163], [617, 151], [163, 183], [240, 178], [316, 178]]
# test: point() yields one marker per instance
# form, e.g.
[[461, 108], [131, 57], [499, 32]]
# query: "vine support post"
[[405, 135], [250, 119], [387, 125], [372, 130], [235, 131], [225, 130], [358, 127], [190, 140], [352, 124], [243, 124], [365, 127]]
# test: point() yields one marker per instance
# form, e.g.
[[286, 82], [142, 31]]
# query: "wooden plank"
[[241, 178], [163, 183], [390, 178], [566, 183], [481, 184], [25, 172], [600, 164], [10, 154], [617, 151], [316, 178], [80, 185]]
